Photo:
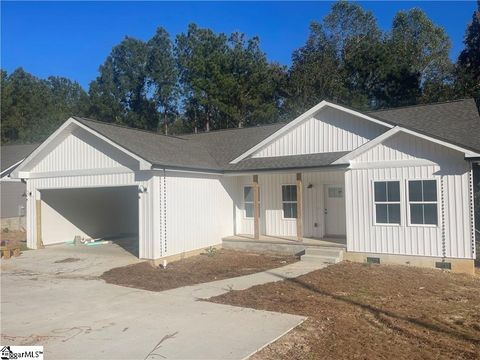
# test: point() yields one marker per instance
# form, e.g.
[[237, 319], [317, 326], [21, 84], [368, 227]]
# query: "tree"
[[314, 74], [162, 76], [119, 94], [32, 108], [226, 81], [421, 47], [468, 65]]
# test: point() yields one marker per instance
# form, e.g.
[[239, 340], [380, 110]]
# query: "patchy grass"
[[372, 311], [211, 266]]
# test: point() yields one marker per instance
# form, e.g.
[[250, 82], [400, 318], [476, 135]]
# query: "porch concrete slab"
[[77, 316]]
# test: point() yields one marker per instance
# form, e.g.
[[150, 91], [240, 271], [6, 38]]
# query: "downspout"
[[164, 250]]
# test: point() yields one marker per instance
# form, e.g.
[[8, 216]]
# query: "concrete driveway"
[[61, 304]]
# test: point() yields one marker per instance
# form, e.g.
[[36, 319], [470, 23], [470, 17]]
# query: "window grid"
[[386, 203], [289, 201], [248, 201], [423, 203]]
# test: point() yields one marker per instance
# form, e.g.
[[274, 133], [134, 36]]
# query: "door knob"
[[325, 211]]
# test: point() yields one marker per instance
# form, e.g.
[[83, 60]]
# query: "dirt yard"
[[194, 270], [14, 238], [360, 311]]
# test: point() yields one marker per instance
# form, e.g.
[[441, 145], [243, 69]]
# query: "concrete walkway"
[[62, 306]]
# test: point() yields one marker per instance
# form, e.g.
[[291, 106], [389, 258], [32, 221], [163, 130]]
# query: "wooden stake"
[[38, 216]]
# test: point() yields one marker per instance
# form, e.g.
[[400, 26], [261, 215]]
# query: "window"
[[422, 197], [387, 202], [289, 200], [248, 200], [335, 192]]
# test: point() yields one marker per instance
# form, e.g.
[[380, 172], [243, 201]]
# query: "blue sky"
[[72, 39]]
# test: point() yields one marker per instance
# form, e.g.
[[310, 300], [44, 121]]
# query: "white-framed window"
[[387, 202], [248, 201], [423, 202], [289, 201]]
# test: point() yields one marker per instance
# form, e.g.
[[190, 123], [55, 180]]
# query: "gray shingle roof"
[[457, 122], [12, 154], [287, 162]]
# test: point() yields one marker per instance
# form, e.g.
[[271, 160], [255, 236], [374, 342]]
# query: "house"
[[390, 186], [12, 191]]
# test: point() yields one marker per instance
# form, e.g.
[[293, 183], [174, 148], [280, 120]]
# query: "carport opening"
[[110, 213]]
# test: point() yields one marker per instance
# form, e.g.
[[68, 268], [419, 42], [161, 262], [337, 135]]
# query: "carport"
[[110, 213]]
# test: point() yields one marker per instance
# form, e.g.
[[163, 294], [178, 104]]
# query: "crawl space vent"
[[443, 265], [373, 260]]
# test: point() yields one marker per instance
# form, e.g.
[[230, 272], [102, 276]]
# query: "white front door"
[[334, 210]]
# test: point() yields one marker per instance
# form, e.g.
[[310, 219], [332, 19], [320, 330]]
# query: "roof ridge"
[[235, 128], [125, 127], [420, 105]]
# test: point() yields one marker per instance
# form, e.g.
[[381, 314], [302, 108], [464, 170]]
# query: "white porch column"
[[299, 207], [256, 208]]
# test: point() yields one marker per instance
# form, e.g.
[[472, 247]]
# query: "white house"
[[393, 185]]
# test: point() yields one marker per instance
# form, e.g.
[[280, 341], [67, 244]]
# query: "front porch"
[[290, 211], [288, 245]]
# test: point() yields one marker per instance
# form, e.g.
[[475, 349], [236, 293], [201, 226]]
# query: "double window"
[[422, 199], [248, 200], [289, 201], [422, 202], [387, 202]]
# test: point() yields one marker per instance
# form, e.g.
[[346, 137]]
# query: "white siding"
[[199, 211], [448, 168], [271, 211], [330, 130], [80, 151]]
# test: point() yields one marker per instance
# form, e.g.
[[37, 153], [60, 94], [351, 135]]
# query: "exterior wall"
[[197, 211], [452, 174], [148, 207], [82, 151], [13, 205], [271, 211], [329, 130]]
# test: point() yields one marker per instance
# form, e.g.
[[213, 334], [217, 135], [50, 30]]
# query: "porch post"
[[38, 224], [299, 207], [256, 208]]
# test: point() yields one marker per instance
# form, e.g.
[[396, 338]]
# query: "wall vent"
[[373, 260], [443, 265]]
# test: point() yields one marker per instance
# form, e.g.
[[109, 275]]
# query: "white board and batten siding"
[[453, 188], [272, 221], [330, 130], [198, 210]]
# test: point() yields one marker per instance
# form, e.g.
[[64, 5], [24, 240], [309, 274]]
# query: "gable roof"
[[457, 122], [12, 155]]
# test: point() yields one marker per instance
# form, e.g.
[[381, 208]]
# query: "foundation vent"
[[443, 265], [373, 260]]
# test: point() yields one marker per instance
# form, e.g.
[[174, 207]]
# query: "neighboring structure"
[[13, 204], [394, 185]]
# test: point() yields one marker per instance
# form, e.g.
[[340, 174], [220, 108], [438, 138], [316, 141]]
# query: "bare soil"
[[360, 311], [198, 269], [14, 238]]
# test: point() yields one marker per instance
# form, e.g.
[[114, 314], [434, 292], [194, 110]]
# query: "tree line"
[[201, 80]]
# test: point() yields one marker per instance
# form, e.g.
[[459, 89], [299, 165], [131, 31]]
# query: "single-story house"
[[13, 204], [393, 185]]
